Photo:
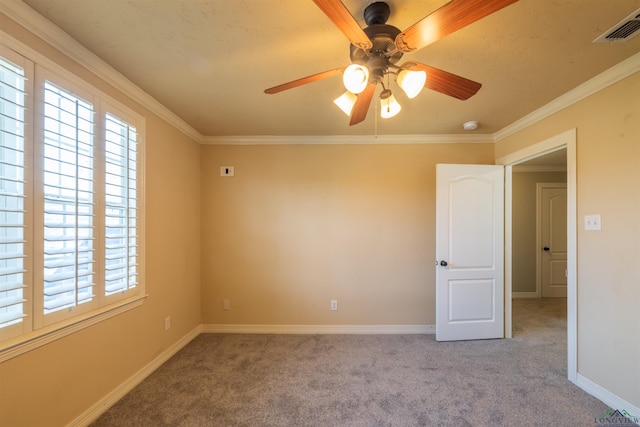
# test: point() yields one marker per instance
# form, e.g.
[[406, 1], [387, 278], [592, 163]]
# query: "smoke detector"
[[471, 125]]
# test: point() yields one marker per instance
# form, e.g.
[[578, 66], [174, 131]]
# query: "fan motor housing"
[[382, 37]]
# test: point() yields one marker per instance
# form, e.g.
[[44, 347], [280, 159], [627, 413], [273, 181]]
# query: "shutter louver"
[[12, 193], [120, 206], [68, 200]]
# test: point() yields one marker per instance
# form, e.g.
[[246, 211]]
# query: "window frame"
[[39, 329]]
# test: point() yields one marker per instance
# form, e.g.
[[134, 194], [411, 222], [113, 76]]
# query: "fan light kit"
[[376, 49], [389, 106], [346, 101], [411, 82], [356, 78]]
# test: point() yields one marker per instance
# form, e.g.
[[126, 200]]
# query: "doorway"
[[529, 180], [566, 140]]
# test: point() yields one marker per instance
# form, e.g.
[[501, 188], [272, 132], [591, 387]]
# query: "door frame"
[[558, 142], [539, 220]]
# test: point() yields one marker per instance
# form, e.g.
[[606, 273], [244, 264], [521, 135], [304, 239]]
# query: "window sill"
[[25, 343]]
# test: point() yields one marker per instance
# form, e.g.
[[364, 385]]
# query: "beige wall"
[[608, 183], [524, 226], [54, 384], [300, 225]]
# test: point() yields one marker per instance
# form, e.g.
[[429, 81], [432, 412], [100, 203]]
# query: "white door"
[[469, 252], [553, 239]]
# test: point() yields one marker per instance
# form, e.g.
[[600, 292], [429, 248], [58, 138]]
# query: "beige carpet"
[[368, 380]]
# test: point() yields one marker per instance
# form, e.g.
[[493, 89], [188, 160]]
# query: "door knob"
[[443, 263], [545, 248]]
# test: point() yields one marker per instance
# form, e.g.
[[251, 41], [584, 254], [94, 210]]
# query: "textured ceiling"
[[209, 61]]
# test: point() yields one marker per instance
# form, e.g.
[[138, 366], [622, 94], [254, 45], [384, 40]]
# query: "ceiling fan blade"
[[451, 17], [342, 18], [445, 82], [305, 80], [361, 107]]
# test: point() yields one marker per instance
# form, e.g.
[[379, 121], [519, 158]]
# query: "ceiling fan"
[[376, 49]]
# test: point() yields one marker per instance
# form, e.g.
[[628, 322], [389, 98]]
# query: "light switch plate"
[[592, 222], [227, 171]]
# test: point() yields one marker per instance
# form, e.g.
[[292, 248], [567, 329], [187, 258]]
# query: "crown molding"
[[614, 74], [346, 139], [40, 26]]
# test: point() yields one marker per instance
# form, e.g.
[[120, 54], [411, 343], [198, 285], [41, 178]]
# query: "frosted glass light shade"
[[411, 82], [345, 102], [389, 106], [355, 78]]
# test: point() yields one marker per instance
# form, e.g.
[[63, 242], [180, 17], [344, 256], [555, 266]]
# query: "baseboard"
[[606, 396], [97, 409], [515, 295], [318, 329]]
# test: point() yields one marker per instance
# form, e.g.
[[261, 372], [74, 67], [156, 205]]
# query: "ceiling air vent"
[[623, 30]]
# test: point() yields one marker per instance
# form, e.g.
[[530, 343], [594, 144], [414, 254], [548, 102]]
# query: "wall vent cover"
[[623, 30]]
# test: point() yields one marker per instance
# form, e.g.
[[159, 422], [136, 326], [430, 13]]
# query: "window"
[[15, 73], [121, 241], [68, 196], [12, 252], [70, 202]]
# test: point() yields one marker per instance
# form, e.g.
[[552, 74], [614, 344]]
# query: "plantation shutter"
[[71, 204], [121, 238], [12, 194], [68, 200]]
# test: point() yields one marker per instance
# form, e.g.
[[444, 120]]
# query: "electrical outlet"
[[167, 323], [334, 305], [226, 304]]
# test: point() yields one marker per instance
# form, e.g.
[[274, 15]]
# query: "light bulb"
[[356, 78], [389, 106], [345, 102], [411, 82]]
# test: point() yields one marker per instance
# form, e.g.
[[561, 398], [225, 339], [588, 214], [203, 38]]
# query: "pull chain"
[[388, 99], [375, 119]]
